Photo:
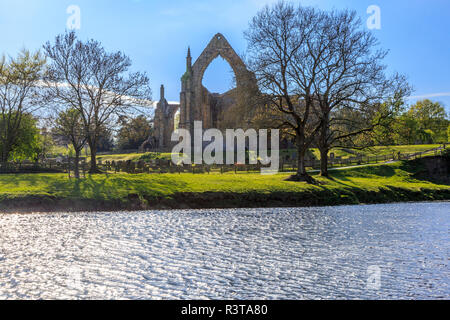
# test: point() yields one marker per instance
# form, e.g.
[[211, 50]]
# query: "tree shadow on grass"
[[115, 187], [384, 171], [78, 188], [18, 178], [431, 169], [345, 177]]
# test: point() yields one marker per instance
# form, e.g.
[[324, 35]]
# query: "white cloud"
[[155, 103], [430, 95]]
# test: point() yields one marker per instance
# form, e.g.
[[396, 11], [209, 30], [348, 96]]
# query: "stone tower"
[[164, 121], [196, 102]]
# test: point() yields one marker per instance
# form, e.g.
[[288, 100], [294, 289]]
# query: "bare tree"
[[278, 53], [83, 76], [349, 80], [19, 96], [317, 68], [69, 125], [353, 126]]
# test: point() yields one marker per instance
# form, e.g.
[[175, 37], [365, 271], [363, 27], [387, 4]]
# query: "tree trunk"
[[94, 168], [77, 164], [93, 147], [4, 158], [3, 166], [301, 175], [301, 171], [324, 161], [324, 146], [5, 153]]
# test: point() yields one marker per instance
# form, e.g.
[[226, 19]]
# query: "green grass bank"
[[397, 182]]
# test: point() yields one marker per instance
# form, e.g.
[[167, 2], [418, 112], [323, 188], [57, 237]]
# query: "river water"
[[352, 252]]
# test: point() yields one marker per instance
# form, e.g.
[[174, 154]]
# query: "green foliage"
[[58, 150], [135, 156], [44, 146], [19, 98], [70, 127], [133, 133], [448, 133], [386, 116], [431, 120], [26, 66], [155, 155], [369, 152], [27, 140], [104, 81], [105, 141], [425, 122]]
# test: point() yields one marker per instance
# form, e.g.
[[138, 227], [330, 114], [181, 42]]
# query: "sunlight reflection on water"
[[305, 253]]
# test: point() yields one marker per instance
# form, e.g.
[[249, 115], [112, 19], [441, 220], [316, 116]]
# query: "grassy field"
[[134, 156], [378, 151], [382, 183], [344, 153]]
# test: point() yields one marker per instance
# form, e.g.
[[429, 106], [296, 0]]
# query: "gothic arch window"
[[219, 46], [219, 77]]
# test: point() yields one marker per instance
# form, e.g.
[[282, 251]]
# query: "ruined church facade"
[[196, 102]]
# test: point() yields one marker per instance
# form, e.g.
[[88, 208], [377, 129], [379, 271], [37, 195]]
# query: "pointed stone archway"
[[219, 46], [195, 100]]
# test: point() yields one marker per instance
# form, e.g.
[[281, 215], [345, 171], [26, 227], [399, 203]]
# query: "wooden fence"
[[160, 166], [49, 166], [166, 166]]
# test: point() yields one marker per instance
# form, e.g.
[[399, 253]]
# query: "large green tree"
[[423, 122], [19, 98], [431, 119], [27, 141], [69, 126]]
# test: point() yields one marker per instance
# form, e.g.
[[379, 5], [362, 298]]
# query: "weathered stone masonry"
[[196, 102]]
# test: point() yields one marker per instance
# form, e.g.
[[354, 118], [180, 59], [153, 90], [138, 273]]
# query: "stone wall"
[[196, 102]]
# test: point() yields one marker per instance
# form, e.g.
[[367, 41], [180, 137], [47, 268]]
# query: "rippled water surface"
[[229, 254]]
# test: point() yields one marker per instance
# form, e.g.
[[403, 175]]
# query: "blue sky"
[[156, 34]]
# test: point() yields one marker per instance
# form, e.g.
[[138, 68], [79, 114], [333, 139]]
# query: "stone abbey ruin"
[[196, 102]]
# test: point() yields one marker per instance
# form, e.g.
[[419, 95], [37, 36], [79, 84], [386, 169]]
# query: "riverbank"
[[397, 182]]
